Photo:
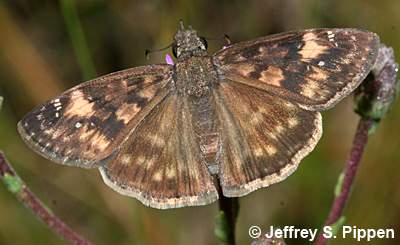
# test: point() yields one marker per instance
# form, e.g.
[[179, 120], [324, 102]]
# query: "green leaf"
[[221, 230], [338, 225], [14, 183], [339, 184]]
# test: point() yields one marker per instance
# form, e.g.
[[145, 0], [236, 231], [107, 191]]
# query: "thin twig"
[[230, 207], [357, 150], [16, 186], [226, 220], [359, 143]]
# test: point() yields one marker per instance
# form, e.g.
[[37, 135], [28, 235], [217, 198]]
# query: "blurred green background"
[[38, 60]]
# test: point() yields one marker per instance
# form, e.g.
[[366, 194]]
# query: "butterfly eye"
[[204, 42], [175, 50]]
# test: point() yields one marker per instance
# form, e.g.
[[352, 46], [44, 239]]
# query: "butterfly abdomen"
[[206, 127]]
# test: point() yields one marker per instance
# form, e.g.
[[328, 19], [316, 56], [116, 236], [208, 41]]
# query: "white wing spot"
[[57, 114], [331, 35], [321, 63], [78, 125]]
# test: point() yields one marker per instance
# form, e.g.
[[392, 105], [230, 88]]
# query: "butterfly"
[[223, 124]]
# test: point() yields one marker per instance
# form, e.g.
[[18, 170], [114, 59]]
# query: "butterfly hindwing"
[[160, 163], [315, 68], [264, 137], [85, 124]]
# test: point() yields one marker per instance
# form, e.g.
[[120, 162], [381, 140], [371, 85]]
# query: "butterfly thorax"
[[195, 76]]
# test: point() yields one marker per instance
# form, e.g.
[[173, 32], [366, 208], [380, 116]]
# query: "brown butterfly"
[[239, 120]]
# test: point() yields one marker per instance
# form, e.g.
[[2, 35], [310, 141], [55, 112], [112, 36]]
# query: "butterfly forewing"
[[264, 137], [160, 164], [85, 124], [315, 68]]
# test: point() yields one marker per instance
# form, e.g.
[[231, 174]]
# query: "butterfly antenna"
[[150, 51], [227, 39], [181, 25]]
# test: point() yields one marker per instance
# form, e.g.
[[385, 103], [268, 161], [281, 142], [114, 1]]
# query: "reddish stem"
[[25, 195], [359, 143]]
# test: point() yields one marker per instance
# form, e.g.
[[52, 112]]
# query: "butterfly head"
[[187, 42]]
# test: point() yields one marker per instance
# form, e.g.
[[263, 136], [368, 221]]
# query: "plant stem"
[[359, 143], [78, 39], [16, 186], [226, 223]]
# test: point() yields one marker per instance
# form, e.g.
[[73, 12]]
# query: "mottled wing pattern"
[[85, 124], [160, 164], [315, 68], [264, 137]]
